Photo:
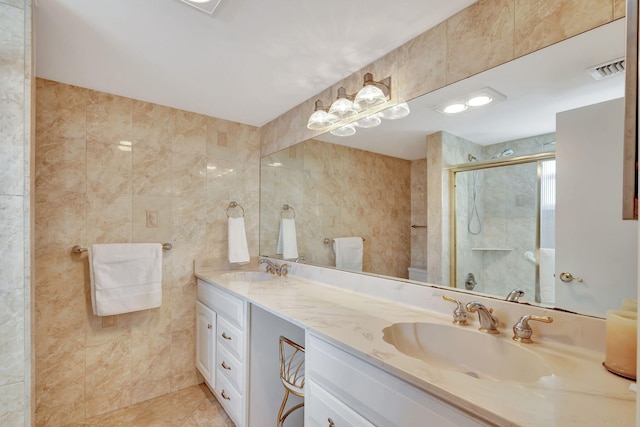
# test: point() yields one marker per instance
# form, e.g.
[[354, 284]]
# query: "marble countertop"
[[579, 393]]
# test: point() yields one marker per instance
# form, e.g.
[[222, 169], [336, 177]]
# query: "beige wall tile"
[[60, 273], [424, 64], [60, 164], [108, 218], [57, 380], [61, 109], [619, 9], [96, 335], [108, 369], [109, 118], [190, 134], [479, 37], [153, 173], [60, 415], [59, 218], [151, 359], [12, 248], [183, 310], [189, 175], [183, 372], [108, 402], [145, 390], [153, 126], [541, 23], [59, 326], [109, 168]]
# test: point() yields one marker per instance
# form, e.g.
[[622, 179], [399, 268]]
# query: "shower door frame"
[[492, 164]]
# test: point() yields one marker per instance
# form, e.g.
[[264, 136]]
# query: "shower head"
[[507, 152]]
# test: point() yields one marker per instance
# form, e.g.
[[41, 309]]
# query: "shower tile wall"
[[102, 163], [16, 377], [344, 192]]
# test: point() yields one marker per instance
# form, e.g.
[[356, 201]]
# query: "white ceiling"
[[537, 86], [249, 62]]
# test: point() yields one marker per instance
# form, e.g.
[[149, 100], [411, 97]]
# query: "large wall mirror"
[[514, 193]]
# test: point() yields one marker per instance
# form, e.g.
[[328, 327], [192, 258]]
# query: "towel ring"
[[233, 205], [285, 208]]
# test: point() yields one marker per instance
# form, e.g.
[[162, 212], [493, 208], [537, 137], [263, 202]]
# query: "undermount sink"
[[248, 276], [467, 351]]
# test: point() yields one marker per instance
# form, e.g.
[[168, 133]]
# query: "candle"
[[621, 327]]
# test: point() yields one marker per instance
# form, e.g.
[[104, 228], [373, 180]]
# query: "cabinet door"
[[206, 342]]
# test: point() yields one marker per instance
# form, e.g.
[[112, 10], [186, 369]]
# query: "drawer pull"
[[224, 395], [331, 424], [224, 365], [209, 326], [225, 336]]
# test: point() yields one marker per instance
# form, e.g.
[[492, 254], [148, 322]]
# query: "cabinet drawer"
[[222, 302], [230, 368], [380, 397], [230, 338], [321, 409], [230, 398]]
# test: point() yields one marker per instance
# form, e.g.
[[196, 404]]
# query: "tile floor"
[[191, 407]]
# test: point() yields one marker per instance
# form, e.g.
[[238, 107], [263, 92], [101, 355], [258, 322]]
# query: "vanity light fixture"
[[471, 101], [207, 6], [347, 108]]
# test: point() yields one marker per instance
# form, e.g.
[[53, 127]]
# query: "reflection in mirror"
[[387, 183]]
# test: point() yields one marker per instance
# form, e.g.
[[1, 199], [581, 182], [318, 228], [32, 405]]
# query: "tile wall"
[[419, 213], [16, 376], [338, 191], [102, 164], [482, 36]]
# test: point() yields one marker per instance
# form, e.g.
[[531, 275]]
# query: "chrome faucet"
[[488, 322], [272, 268], [515, 295], [460, 315], [522, 330]]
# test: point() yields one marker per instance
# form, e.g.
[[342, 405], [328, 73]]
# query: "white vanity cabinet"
[[206, 343], [230, 349], [345, 388]]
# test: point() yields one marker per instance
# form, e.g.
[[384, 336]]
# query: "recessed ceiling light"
[[454, 108], [479, 100], [208, 6]]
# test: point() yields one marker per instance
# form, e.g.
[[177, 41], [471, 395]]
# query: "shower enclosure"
[[503, 226]]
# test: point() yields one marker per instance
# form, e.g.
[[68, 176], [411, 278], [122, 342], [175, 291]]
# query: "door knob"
[[568, 277]]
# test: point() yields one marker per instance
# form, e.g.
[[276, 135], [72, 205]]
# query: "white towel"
[[287, 242], [547, 278], [238, 248], [125, 277], [349, 252]]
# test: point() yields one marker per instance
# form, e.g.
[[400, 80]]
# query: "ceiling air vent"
[[608, 69]]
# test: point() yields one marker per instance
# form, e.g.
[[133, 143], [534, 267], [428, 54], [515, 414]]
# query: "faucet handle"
[[460, 315], [283, 269], [522, 330]]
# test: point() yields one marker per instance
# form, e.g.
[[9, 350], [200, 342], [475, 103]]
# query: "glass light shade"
[[369, 121], [342, 108], [346, 130], [480, 100], [454, 108], [320, 119], [368, 97], [396, 112]]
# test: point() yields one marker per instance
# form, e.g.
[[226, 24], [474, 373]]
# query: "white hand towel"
[[287, 242], [125, 277], [238, 248], [547, 279], [349, 252]]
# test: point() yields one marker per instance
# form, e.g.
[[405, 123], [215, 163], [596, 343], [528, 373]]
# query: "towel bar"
[[328, 241], [77, 249]]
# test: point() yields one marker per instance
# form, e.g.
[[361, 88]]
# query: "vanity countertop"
[[579, 393]]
